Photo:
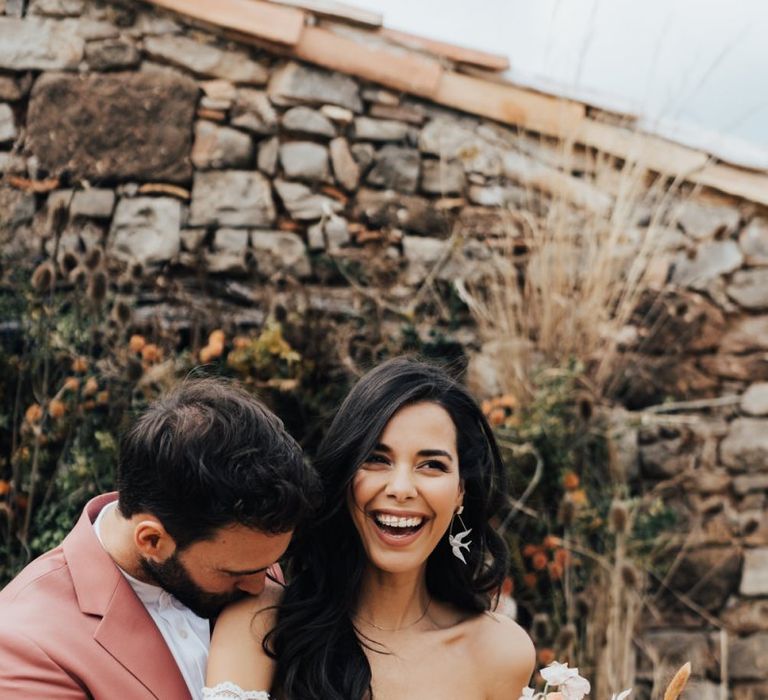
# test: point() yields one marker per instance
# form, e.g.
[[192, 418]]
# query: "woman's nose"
[[401, 485]]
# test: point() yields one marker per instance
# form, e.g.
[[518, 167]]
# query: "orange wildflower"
[[71, 384], [216, 348], [240, 341], [555, 570], [545, 656], [34, 413], [137, 343], [530, 549], [57, 408], [79, 365], [508, 586], [102, 398], [497, 416], [571, 480], [486, 407], [91, 386], [5, 487], [88, 405], [216, 337], [562, 557], [579, 497], [205, 354], [151, 353], [530, 580], [551, 542], [539, 561], [507, 401]]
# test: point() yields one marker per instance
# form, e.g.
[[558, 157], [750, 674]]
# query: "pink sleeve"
[[26, 671]]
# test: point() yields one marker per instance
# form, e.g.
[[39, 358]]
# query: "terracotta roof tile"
[[460, 54], [509, 104], [400, 70], [282, 25], [454, 76]]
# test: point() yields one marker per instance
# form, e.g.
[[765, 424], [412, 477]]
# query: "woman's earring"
[[457, 541]]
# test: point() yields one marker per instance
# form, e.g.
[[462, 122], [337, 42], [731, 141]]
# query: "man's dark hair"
[[209, 455]]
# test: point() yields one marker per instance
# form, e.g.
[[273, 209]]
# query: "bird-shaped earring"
[[457, 541]]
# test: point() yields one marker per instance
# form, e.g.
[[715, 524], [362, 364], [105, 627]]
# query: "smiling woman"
[[387, 599], [404, 495]]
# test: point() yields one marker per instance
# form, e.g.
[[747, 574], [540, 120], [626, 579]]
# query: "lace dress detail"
[[231, 691]]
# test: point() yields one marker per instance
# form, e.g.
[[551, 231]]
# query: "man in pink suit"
[[210, 490]]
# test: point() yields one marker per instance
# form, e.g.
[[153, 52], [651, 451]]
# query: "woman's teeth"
[[397, 521]]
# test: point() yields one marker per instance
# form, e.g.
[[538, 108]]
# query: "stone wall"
[[203, 159]]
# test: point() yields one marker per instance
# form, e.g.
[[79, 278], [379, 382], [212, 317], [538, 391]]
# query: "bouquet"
[[571, 686]]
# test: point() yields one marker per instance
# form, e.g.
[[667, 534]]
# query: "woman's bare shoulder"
[[237, 654], [256, 613], [505, 654]]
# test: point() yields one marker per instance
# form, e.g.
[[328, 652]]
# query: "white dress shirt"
[[187, 635]]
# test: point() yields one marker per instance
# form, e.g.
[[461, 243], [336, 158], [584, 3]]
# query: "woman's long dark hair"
[[319, 653]]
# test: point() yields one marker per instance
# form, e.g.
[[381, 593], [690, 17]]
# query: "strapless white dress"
[[231, 691]]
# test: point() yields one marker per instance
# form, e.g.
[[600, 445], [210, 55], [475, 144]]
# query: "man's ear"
[[151, 539]]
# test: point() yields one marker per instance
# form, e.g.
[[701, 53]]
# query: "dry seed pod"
[[43, 277], [567, 512], [121, 312], [630, 576], [678, 682], [93, 258], [618, 517], [79, 276], [541, 627], [69, 261], [97, 287], [125, 285], [566, 637], [134, 370], [586, 407], [583, 605], [59, 218]]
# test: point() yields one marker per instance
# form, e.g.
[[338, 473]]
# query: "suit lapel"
[[130, 635], [126, 630]]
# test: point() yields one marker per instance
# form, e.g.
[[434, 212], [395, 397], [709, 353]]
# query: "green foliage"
[[72, 375], [564, 537]]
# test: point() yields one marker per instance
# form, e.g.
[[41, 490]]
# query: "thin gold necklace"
[[397, 629]]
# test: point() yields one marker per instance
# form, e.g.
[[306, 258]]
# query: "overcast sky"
[[696, 70]]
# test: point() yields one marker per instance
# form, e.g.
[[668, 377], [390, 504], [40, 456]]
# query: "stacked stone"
[[277, 157], [189, 154]]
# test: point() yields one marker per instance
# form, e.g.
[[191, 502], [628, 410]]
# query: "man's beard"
[[172, 576]]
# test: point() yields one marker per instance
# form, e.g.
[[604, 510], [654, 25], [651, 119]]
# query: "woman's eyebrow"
[[435, 453], [381, 447]]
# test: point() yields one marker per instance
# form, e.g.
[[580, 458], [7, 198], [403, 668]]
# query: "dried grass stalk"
[[678, 682], [566, 279]]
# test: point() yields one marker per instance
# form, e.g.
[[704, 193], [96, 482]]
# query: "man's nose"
[[252, 585]]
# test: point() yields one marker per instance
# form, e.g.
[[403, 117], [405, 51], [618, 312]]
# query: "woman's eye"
[[434, 465], [376, 460]]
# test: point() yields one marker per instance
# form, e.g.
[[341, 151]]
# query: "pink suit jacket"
[[71, 627]]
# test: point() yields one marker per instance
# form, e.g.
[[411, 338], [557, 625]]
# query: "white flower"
[[575, 687], [527, 693], [623, 694], [557, 673]]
